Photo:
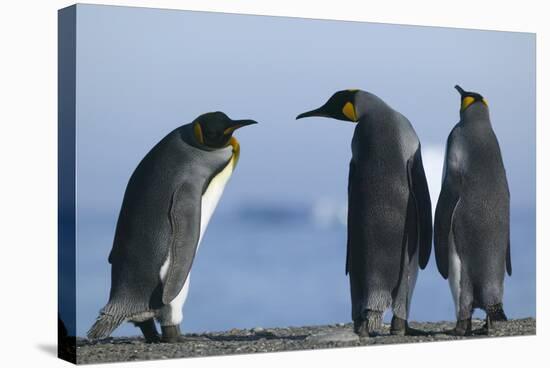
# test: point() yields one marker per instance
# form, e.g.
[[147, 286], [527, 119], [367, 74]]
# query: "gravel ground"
[[259, 339]]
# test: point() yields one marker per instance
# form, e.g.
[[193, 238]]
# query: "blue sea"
[[279, 264]]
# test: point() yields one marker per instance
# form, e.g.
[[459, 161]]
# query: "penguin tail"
[[104, 325], [495, 312]]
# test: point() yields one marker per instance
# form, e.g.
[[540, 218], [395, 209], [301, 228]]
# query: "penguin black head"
[[469, 98], [215, 129], [340, 105]]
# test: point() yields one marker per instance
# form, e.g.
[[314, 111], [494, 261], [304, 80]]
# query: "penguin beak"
[[317, 112], [236, 124], [460, 90], [240, 123]]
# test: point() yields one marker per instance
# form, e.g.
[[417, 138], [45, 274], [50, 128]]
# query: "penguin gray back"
[[382, 131], [473, 210], [389, 208]]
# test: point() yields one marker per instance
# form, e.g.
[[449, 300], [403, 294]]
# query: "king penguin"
[[389, 210], [167, 205], [472, 218]]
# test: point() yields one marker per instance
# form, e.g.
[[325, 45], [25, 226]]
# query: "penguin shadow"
[[480, 331], [256, 337]]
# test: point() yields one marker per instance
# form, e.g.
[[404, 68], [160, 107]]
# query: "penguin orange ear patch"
[[349, 111], [198, 133], [466, 101]]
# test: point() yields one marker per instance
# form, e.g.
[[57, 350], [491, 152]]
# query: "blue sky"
[[143, 72]]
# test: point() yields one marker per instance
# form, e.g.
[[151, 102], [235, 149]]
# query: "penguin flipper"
[[350, 201], [185, 214], [447, 202], [508, 259], [421, 195], [446, 205]]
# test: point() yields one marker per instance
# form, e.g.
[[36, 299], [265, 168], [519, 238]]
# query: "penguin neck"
[[475, 113], [366, 104]]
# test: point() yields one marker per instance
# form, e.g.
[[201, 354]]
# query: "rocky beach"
[[256, 340]]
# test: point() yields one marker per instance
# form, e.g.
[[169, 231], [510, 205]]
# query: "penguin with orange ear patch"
[[167, 205], [472, 218], [389, 210]]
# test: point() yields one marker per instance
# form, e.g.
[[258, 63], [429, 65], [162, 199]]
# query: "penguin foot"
[[400, 327], [495, 313], [495, 316], [463, 328], [152, 339], [171, 334], [459, 332], [481, 331], [487, 328], [415, 332], [361, 328], [149, 331], [173, 340]]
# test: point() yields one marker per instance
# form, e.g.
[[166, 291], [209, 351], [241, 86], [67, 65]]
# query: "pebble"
[[333, 336]]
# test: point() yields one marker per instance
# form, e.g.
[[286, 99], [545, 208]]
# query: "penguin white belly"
[[454, 272], [172, 314], [413, 274], [212, 195]]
